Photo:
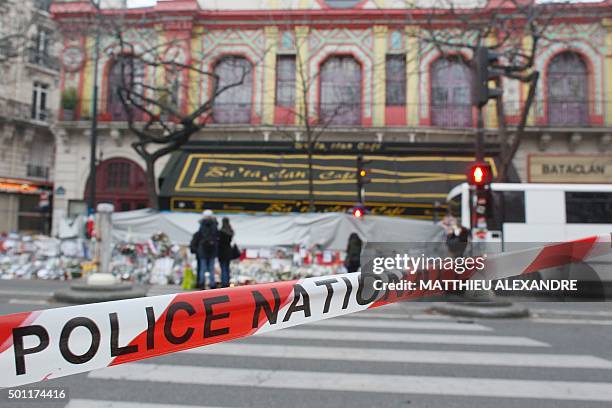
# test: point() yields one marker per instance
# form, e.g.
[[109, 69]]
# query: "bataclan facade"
[[406, 106]]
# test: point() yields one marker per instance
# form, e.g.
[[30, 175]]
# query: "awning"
[[276, 180]]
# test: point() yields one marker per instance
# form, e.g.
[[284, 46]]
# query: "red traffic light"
[[479, 174], [359, 210]]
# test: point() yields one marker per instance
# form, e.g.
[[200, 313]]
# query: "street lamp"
[[94, 125]]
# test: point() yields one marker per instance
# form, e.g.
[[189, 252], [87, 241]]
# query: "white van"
[[523, 212]]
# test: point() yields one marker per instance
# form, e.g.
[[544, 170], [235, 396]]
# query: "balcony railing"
[[232, 113], [15, 110], [35, 170], [43, 5], [589, 114], [452, 116], [43, 59]]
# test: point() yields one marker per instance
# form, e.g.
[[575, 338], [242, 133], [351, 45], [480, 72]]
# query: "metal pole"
[[480, 136], [94, 128]]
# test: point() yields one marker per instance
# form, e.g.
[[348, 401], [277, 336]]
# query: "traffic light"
[[359, 210], [362, 176], [486, 69], [479, 174]]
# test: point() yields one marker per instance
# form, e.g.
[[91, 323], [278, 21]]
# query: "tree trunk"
[[502, 133], [311, 202], [510, 150], [151, 183]]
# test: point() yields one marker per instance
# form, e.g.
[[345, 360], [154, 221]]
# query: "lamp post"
[[94, 127]]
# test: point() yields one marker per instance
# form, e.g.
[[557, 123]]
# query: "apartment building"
[[29, 100]]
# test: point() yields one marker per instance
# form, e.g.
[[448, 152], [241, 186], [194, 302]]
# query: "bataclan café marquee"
[[406, 179]]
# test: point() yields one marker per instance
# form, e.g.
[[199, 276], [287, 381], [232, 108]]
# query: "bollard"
[[104, 227]]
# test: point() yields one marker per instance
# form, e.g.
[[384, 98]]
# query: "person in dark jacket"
[[193, 248], [353, 253], [207, 249], [226, 234]]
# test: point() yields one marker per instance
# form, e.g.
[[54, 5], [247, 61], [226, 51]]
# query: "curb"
[[80, 296]]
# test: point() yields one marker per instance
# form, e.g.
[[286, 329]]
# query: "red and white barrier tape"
[[47, 344]]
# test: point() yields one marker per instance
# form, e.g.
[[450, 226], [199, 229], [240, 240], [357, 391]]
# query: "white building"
[[29, 99]]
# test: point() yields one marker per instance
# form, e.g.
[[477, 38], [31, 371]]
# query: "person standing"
[[194, 249], [353, 253], [207, 249], [226, 234]]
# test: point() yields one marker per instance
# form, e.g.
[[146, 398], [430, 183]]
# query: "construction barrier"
[[42, 345]]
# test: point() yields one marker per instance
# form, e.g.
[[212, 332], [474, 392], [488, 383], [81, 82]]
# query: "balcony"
[[43, 59], [567, 115], [37, 171], [18, 111], [232, 113], [43, 5]]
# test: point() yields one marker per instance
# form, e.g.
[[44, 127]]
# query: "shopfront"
[[24, 205], [405, 180]]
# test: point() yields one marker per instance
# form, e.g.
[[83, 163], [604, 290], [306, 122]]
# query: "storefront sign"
[[570, 168], [18, 188], [242, 178]]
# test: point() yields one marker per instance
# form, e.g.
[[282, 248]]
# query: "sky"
[[141, 3]]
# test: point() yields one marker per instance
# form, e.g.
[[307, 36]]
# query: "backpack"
[[195, 240], [208, 235]]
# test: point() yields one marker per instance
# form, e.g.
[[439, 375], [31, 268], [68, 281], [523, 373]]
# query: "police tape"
[[42, 345]]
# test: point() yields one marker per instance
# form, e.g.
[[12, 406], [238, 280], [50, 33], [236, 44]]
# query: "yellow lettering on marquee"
[[219, 171], [279, 207], [336, 175]]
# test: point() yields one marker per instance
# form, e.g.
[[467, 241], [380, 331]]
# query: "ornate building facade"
[[29, 96], [405, 108]]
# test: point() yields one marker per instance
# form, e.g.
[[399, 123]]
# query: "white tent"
[[329, 230]]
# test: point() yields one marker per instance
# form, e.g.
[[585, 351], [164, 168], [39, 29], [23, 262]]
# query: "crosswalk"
[[374, 358]]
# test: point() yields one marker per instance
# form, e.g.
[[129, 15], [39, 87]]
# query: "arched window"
[[121, 182], [341, 91], [125, 72], [451, 93], [233, 105], [567, 86]]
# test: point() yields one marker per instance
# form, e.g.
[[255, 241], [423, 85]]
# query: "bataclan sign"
[[570, 168]]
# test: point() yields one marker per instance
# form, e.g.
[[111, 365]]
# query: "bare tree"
[[311, 119], [512, 28], [160, 110]]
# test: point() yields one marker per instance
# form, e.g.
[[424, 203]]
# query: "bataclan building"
[[406, 105]]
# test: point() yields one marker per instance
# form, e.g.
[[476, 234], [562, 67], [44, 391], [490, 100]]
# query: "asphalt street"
[[395, 356]]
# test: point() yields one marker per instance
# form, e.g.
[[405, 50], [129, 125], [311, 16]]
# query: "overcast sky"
[[141, 3]]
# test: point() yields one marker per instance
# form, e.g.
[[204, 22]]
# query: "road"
[[395, 356]]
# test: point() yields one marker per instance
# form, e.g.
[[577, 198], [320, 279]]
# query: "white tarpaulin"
[[329, 230]]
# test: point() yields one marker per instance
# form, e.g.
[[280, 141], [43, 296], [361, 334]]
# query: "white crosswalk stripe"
[[591, 322], [406, 337], [395, 324], [390, 316], [469, 347], [405, 356], [402, 384]]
